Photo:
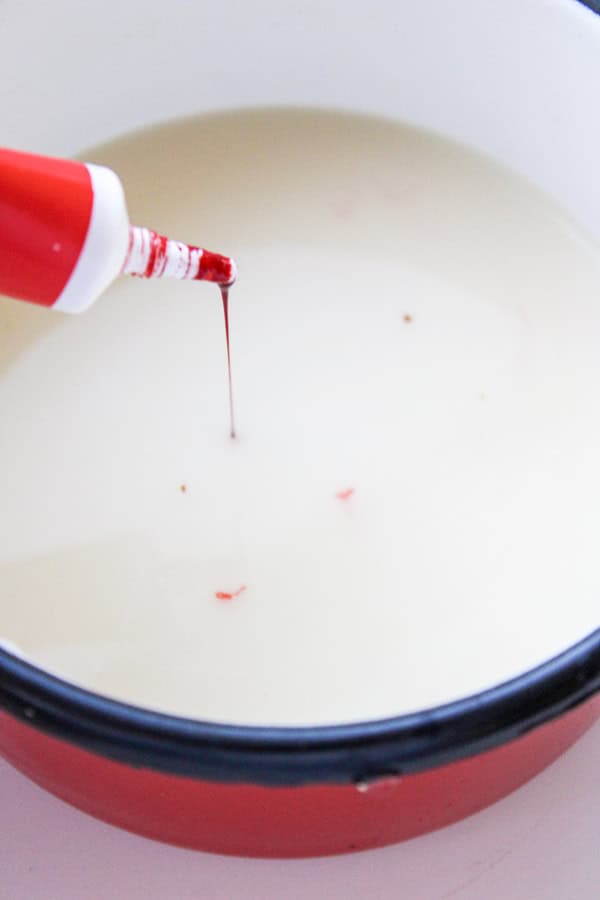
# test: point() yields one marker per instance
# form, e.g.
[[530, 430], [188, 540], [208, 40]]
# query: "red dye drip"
[[157, 258], [225, 595], [225, 296], [214, 267], [345, 494]]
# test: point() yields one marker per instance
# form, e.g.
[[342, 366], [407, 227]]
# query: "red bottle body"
[[45, 211]]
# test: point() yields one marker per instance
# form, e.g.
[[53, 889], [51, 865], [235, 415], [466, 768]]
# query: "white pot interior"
[[517, 80]]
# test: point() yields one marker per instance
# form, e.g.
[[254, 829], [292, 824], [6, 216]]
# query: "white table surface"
[[541, 843]]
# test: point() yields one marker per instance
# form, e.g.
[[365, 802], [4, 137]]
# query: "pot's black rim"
[[305, 755], [594, 5]]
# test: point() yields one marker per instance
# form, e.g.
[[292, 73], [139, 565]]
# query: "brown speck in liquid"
[[407, 318], [183, 488]]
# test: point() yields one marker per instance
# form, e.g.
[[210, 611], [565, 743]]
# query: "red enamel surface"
[[45, 210], [345, 494], [294, 822]]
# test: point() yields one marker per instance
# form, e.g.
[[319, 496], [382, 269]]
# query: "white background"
[[541, 843]]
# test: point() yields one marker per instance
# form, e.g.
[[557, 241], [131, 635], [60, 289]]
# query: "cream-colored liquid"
[[471, 434]]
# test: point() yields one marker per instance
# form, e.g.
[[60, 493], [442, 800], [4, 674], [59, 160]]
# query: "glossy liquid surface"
[[410, 511]]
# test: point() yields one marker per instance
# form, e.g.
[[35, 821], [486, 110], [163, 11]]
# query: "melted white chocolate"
[[410, 321]]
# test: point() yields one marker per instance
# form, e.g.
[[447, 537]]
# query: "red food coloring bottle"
[[65, 235]]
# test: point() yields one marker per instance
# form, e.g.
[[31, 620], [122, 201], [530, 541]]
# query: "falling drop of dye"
[[225, 297]]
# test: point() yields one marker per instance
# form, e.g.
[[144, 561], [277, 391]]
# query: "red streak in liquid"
[[225, 296], [345, 494], [225, 595]]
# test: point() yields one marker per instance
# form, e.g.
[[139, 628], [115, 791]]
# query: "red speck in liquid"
[[345, 494], [225, 296], [225, 595]]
